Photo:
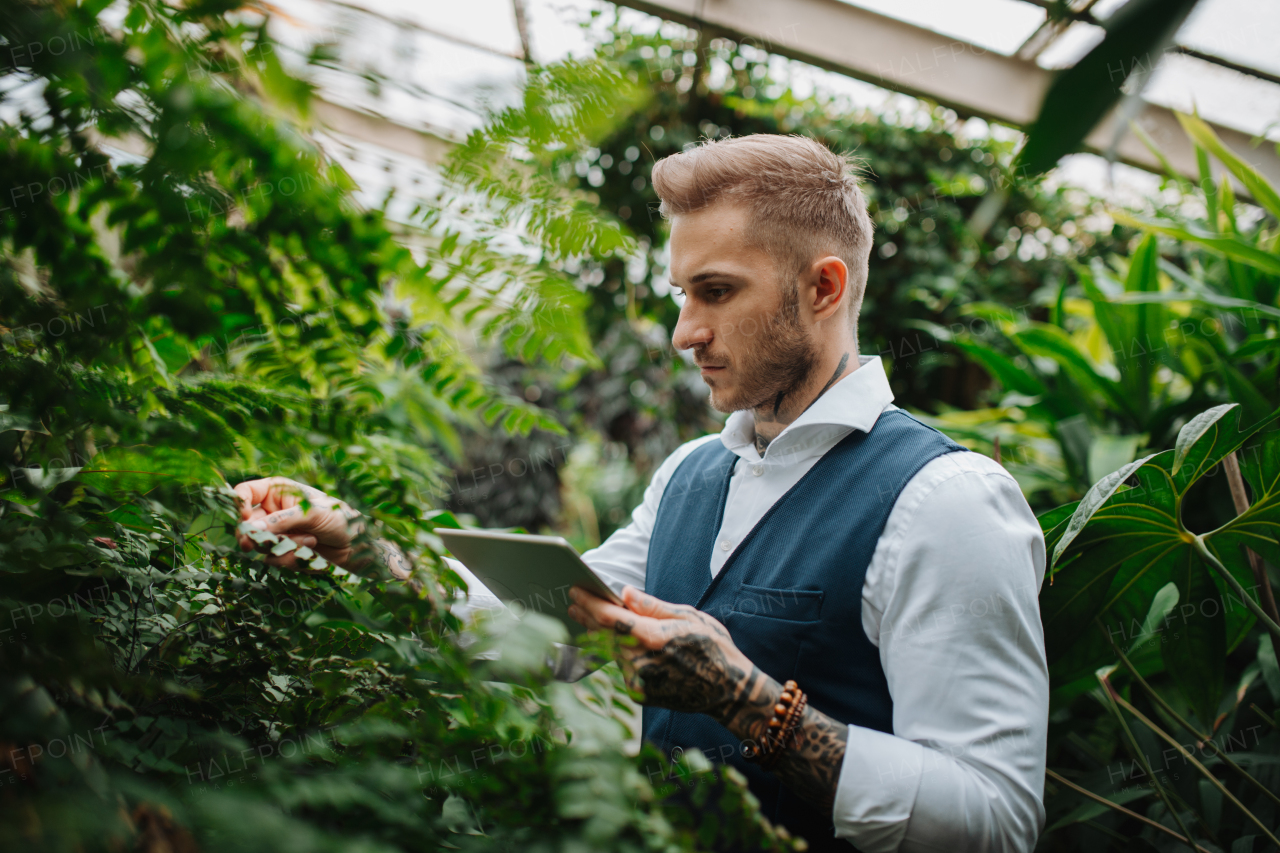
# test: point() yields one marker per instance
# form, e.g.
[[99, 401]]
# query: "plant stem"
[[1141, 757], [1254, 607], [1178, 718], [1240, 498], [1148, 821], [1204, 770]]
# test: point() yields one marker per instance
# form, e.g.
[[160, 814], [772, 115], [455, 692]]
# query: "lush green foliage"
[[1159, 621], [218, 308], [1117, 367], [1134, 346]]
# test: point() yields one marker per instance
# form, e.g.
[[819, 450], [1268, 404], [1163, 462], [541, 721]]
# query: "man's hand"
[[273, 504], [684, 660]]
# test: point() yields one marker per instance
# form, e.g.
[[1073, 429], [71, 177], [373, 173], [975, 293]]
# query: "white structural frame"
[[885, 52], [969, 79]]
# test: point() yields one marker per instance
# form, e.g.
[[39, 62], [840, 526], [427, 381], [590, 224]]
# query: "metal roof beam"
[[916, 61], [1227, 63]]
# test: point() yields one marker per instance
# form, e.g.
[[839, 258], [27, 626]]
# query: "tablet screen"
[[528, 573]]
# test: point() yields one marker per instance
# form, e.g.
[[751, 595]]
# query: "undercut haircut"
[[804, 200]]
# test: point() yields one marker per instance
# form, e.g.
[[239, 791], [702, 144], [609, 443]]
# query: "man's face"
[[742, 320]]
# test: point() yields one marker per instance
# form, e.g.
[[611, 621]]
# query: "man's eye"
[[717, 292]]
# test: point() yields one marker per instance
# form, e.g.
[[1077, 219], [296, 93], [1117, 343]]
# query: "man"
[[824, 536]]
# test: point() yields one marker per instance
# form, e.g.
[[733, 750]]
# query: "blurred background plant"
[[1133, 344]]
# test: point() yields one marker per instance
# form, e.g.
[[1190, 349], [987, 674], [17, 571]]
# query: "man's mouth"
[[711, 368]]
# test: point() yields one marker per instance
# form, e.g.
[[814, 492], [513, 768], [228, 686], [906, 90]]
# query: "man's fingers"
[[648, 605], [253, 493], [336, 556], [288, 520], [272, 493], [304, 540], [247, 502], [584, 617], [289, 559], [604, 613], [612, 617]]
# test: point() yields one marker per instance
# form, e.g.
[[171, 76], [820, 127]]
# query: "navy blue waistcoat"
[[791, 593]]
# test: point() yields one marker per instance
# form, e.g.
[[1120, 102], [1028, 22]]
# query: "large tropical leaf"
[[1003, 369], [1217, 300], [1126, 540]]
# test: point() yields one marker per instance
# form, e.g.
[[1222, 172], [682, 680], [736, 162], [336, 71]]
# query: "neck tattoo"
[[761, 441], [844, 362]]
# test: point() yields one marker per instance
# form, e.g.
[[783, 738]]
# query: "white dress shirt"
[[950, 600]]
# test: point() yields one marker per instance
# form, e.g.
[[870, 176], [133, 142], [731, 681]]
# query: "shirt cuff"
[[877, 790]]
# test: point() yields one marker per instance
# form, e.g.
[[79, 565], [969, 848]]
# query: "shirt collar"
[[855, 402]]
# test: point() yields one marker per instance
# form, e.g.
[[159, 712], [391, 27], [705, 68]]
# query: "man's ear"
[[830, 278]]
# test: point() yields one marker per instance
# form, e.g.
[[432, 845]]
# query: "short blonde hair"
[[805, 201]]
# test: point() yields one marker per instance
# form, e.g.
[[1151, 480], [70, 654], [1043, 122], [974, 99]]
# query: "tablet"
[[529, 573]]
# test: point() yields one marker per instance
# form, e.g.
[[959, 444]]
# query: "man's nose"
[[691, 330]]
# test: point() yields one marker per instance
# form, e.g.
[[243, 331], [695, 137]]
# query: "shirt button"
[[726, 545], [757, 470]]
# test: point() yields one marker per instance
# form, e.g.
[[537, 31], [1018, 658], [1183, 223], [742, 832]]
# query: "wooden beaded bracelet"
[[786, 733], [787, 714]]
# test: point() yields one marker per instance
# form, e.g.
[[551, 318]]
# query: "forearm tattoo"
[[811, 768], [810, 765], [388, 555], [690, 673]]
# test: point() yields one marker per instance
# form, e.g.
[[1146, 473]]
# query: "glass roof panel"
[[490, 23], [999, 25], [1244, 31], [425, 81], [1071, 45], [1219, 94], [443, 60]]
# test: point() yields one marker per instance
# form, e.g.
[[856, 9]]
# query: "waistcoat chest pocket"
[[792, 605]]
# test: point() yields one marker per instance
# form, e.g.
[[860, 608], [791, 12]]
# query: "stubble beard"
[[775, 365]]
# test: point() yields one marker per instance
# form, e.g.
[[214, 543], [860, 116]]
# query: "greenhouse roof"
[[990, 59], [995, 58]]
